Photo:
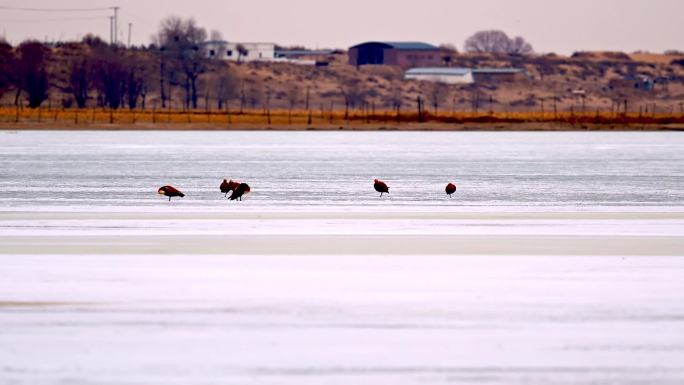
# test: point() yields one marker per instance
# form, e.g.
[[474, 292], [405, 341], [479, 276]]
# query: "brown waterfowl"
[[227, 186], [381, 187], [170, 192], [240, 191], [450, 189]]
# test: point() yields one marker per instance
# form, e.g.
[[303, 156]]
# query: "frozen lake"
[[150, 319], [559, 261], [335, 170]]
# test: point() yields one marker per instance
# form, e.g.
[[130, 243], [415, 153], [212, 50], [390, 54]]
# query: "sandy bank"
[[346, 244]]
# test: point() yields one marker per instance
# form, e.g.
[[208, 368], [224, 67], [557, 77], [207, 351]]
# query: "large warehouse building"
[[402, 54]]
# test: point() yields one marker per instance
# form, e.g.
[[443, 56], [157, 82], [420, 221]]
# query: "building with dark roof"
[[402, 54]]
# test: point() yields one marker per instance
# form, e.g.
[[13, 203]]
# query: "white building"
[[465, 75], [441, 75], [243, 52]]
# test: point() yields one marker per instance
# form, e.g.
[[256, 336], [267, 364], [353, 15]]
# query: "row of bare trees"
[[109, 75], [94, 73]]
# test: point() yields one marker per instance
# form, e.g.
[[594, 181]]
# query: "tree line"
[[92, 72]]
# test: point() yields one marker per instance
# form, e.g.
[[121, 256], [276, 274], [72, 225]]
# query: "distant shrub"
[[610, 55]]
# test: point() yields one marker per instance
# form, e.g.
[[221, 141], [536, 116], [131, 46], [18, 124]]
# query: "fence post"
[[332, 111]]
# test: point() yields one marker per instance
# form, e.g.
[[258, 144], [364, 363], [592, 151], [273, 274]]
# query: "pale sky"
[[561, 26]]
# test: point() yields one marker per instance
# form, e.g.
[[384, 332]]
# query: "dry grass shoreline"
[[299, 120], [534, 126]]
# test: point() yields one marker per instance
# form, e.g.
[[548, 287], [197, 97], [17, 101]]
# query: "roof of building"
[[449, 71], [402, 45], [498, 70], [442, 71], [218, 42], [304, 52]]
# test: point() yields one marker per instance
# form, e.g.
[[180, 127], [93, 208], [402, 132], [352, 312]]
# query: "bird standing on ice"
[[227, 187], [381, 187], [450, 189], [170, 192], [241, 190]]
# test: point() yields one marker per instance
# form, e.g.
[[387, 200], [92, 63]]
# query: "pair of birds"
[[237, 190], [382, 188]]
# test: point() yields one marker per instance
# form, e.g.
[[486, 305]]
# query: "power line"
[[23, 9], [52, 20]]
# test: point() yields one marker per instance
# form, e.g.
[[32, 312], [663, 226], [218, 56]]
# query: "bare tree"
[[293, 96], [226, 86], [184, 41], [437, 92], [495, 41], [6, 59], [136, 82], [353, 93], [30, 67], [110, 75], [518, 46], [242, 51], [255, 94], [79, 79]]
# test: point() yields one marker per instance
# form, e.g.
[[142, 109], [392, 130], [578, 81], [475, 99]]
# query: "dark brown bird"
[[227, 187], [381, 187], [450, 189], [170, 192], [241, 190]]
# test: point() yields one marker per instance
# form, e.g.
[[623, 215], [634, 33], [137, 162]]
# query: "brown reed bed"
[[46, 118]]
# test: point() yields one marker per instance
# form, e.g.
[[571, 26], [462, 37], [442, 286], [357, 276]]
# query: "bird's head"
[[161, 191], [375, 181], [225, 181]]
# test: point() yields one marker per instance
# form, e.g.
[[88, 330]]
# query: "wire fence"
[[284, 118]]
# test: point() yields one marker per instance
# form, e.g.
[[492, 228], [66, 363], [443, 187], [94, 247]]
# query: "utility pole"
[[130, 26], [111, 29], [116, 24]]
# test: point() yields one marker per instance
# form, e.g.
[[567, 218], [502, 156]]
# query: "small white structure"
[[441, 75], [242, 52]]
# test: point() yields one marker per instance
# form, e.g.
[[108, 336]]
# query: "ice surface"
[[363, 319]]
